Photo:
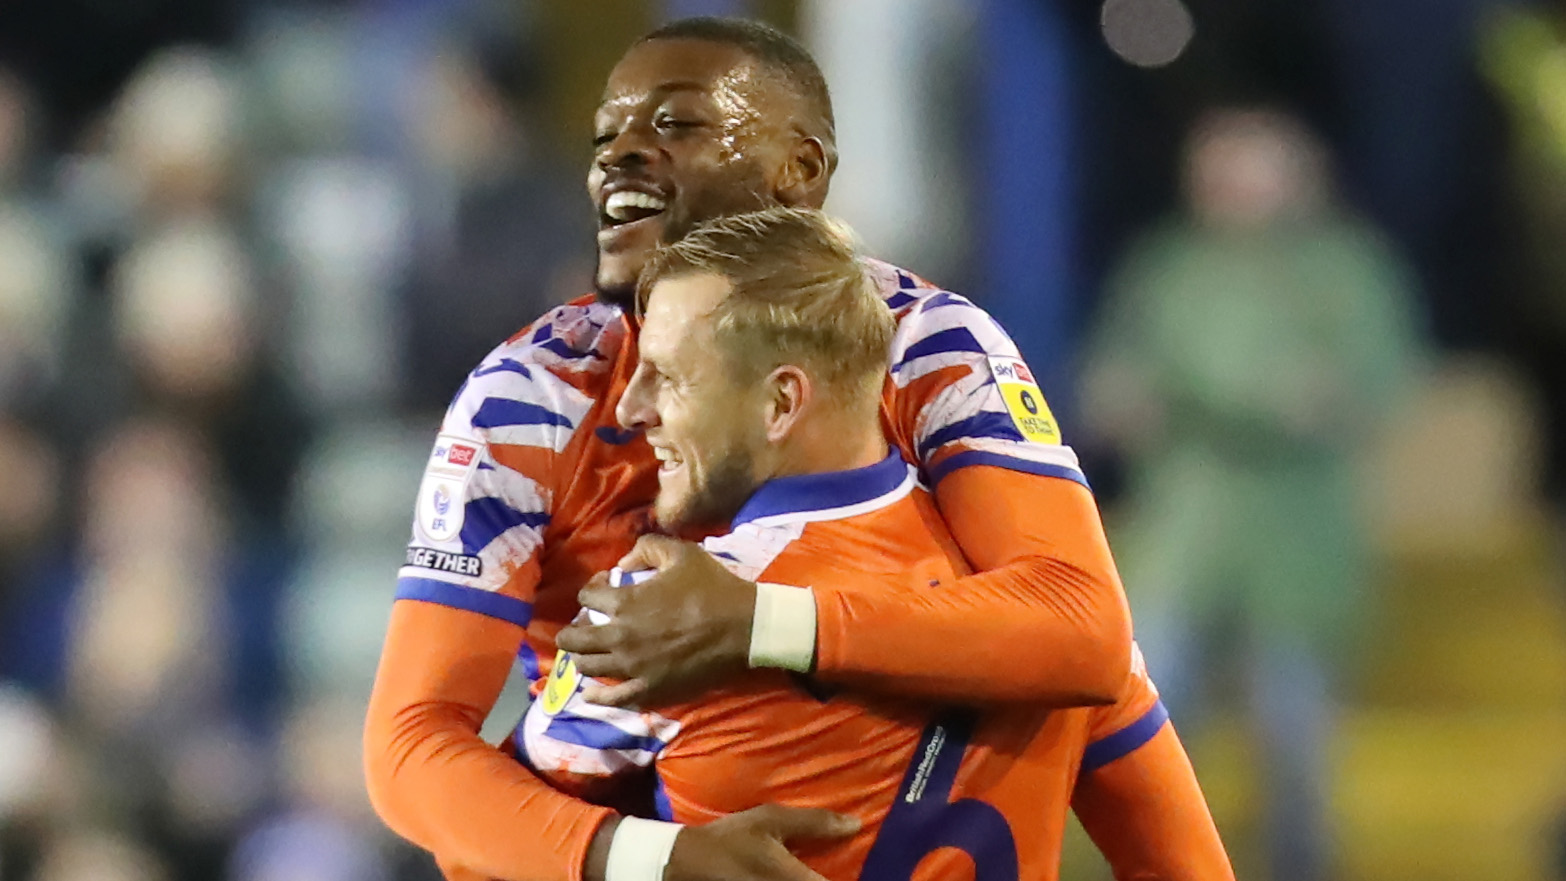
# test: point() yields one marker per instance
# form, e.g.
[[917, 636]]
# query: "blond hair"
[[800, 295]]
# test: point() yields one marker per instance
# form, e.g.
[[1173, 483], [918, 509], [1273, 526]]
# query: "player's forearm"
[[1034, 630], [1147, 815], [1045, 619], [432, 778]]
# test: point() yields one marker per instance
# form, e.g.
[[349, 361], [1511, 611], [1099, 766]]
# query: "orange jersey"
[[532, 485], [993, 786]]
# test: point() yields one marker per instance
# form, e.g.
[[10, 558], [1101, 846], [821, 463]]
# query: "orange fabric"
[[1146, 814], [763, 738], [1044, 620], [442, 668], [434, 781]]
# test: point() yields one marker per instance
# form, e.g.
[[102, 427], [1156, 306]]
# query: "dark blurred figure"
[[1249, 350], [324, 829], [38, 272], [505, 234], [185, 320], [1521, 54], [138, 643], [81, 51]]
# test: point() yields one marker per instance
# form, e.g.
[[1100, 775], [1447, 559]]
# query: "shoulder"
[[541, 383], [935, 327], [581, 335]]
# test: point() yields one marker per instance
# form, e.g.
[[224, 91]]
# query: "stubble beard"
[[730, 483]]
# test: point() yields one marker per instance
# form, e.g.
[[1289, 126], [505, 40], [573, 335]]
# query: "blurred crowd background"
[[1292, 274]]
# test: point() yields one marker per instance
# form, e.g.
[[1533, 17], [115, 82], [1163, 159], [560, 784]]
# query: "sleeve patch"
[[1024, 402], [441, 494]]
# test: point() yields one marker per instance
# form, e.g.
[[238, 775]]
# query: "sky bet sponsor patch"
[[442, 561], [442, 493], [1024, 401]]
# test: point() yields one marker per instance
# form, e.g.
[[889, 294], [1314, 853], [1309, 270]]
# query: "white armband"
[[783, 632], [640, 849]]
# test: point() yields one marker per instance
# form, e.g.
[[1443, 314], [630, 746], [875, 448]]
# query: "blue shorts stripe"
[[469, 599], [1125, 741]]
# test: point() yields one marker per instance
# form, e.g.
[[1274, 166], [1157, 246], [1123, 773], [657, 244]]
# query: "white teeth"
[[618, 206]]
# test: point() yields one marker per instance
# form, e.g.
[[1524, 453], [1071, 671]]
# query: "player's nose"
[[631, 147], [635, 410]]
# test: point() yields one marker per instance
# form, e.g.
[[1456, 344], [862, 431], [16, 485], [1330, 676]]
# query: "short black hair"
[[778, 51]]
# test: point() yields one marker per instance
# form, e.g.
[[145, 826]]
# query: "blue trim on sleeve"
[[469, 599], [986, 424], [1125, 741], [1000, 460]]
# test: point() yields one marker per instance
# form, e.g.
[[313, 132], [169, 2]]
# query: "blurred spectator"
[[506, 232], [28, 507], [1249, 349], [153, 648], [36, 293], [185, 318], [326, 831], [17, 123], [1522, 53], [99, 856], [175, 133]]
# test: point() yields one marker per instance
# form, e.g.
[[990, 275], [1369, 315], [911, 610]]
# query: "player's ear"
[[789, 391], [806, 175]]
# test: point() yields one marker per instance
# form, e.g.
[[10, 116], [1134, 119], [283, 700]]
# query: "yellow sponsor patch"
[[1024, 401], [562, 683]]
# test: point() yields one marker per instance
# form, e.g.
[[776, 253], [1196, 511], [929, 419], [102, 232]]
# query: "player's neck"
[[832, 446]]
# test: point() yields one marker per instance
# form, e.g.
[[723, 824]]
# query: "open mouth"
[[626, 207], [668, 461]]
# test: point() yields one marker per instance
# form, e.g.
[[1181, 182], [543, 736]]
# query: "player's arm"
[[1044, 620], [1137, 795], [463, 603]]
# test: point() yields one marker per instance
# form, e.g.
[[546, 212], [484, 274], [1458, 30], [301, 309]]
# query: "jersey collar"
[[831, 495]]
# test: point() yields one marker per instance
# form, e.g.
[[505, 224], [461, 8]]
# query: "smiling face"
[[702, 414], [688, 130]]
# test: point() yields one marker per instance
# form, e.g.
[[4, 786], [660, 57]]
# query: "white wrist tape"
[[640, 849], [783, 632]]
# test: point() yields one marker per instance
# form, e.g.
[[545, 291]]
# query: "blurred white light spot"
[[1147, 33]]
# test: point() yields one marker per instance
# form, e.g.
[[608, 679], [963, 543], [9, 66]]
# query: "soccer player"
[[763, 348], [532, 487]]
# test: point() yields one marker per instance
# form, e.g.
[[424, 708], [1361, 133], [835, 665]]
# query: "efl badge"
[[441, 495], [1024, 401], [563, 682]]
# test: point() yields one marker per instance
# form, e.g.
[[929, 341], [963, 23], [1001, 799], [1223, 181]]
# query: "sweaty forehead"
[[659, 66]]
